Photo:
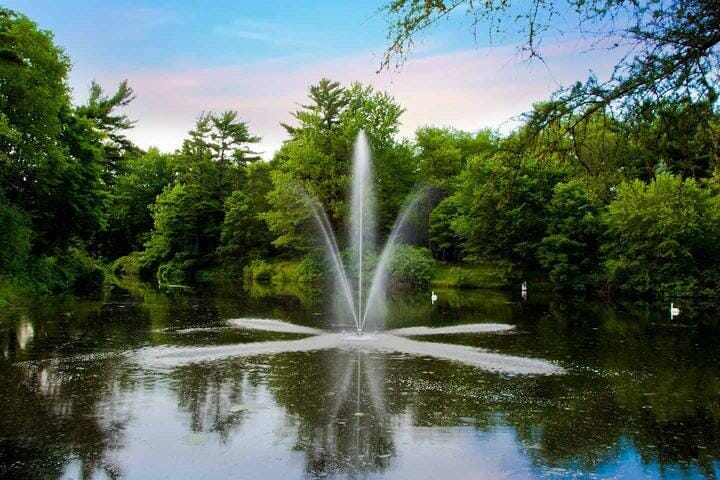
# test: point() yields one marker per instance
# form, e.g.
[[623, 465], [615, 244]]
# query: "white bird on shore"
[[433, 297], [674, 311]]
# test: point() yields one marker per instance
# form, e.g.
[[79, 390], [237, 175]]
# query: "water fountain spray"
[[363, 301]]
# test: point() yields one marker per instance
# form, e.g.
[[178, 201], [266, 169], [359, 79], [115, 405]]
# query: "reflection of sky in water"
[[158, 443], [639, 399]]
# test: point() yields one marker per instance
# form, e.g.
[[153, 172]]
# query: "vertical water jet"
[[361, 298]]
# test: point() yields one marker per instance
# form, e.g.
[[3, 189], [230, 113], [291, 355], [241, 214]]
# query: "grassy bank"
[[11, 292], [485, 275]]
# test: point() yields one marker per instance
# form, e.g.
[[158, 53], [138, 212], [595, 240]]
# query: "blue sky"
[[259, 58]]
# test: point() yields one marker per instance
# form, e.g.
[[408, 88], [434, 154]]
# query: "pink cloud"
[[468, 89]]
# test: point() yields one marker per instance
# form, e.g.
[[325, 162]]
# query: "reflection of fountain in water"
[[353, 437]]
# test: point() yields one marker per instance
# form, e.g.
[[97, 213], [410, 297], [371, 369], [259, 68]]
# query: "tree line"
[[598, 200]]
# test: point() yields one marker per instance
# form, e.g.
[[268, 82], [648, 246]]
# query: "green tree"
[[327, 100], [667, 49], [504, 207], [663, 238], [51, 157], [316, 160], [101, 110], [446, 243], [682, 137], [245, 235], [570, 251], [441, 154], [130, 220], [411, 266], [188, 219], [15, 237], [188, 216]]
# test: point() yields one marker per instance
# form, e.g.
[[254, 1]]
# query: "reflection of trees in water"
[[65, 414], [208, 393], [634, 382], [61, 414], [667, 409], [643, 382], [567, 421]]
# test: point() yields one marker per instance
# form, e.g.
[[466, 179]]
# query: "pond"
[[635, 394]]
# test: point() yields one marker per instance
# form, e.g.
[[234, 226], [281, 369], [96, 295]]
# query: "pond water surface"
[[639, 396]]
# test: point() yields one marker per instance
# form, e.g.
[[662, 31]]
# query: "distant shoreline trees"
[[597, 201]]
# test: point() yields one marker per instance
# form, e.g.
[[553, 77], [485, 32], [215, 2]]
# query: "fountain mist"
[[362, 295]]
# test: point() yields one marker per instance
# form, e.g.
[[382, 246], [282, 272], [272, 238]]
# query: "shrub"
[[411, 265], [73, 269], [259, 271], [14, 238], [128, 265]]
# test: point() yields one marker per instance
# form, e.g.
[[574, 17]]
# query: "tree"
[[327, 99], [669, 49], [52, 198], [224, 140], [682, 137], [663, 238], [504, 207], [570, 251], [187, 231], [316, 161], [100, 109], [245, 235], [441, 154], [15, 237], [231, 138], [130, 221], [51, 157], [446, 243], [188, 215]]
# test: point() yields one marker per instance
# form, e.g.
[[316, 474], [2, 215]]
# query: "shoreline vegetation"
[[605, 202]]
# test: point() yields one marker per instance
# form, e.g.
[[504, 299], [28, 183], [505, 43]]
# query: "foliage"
[[411, 265], [611, 186], [259, 271], [129, 265], [504, 207], [245, 235], [130, 220], [316, 160], [663, 238], [307, 270], [71, 270], [667, 49], [570, 251], [495, 274], [441, 154], [15, 236], [100, 109], [681, 137], [188, 216], [445, 241]]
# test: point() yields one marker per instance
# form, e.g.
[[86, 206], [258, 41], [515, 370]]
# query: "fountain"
[[365, 301]]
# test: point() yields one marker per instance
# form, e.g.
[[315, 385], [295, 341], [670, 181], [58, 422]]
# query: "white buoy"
[[674, 311], [433, 297]]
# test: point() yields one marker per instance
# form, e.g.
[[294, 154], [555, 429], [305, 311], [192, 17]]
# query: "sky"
[[259, 58]]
